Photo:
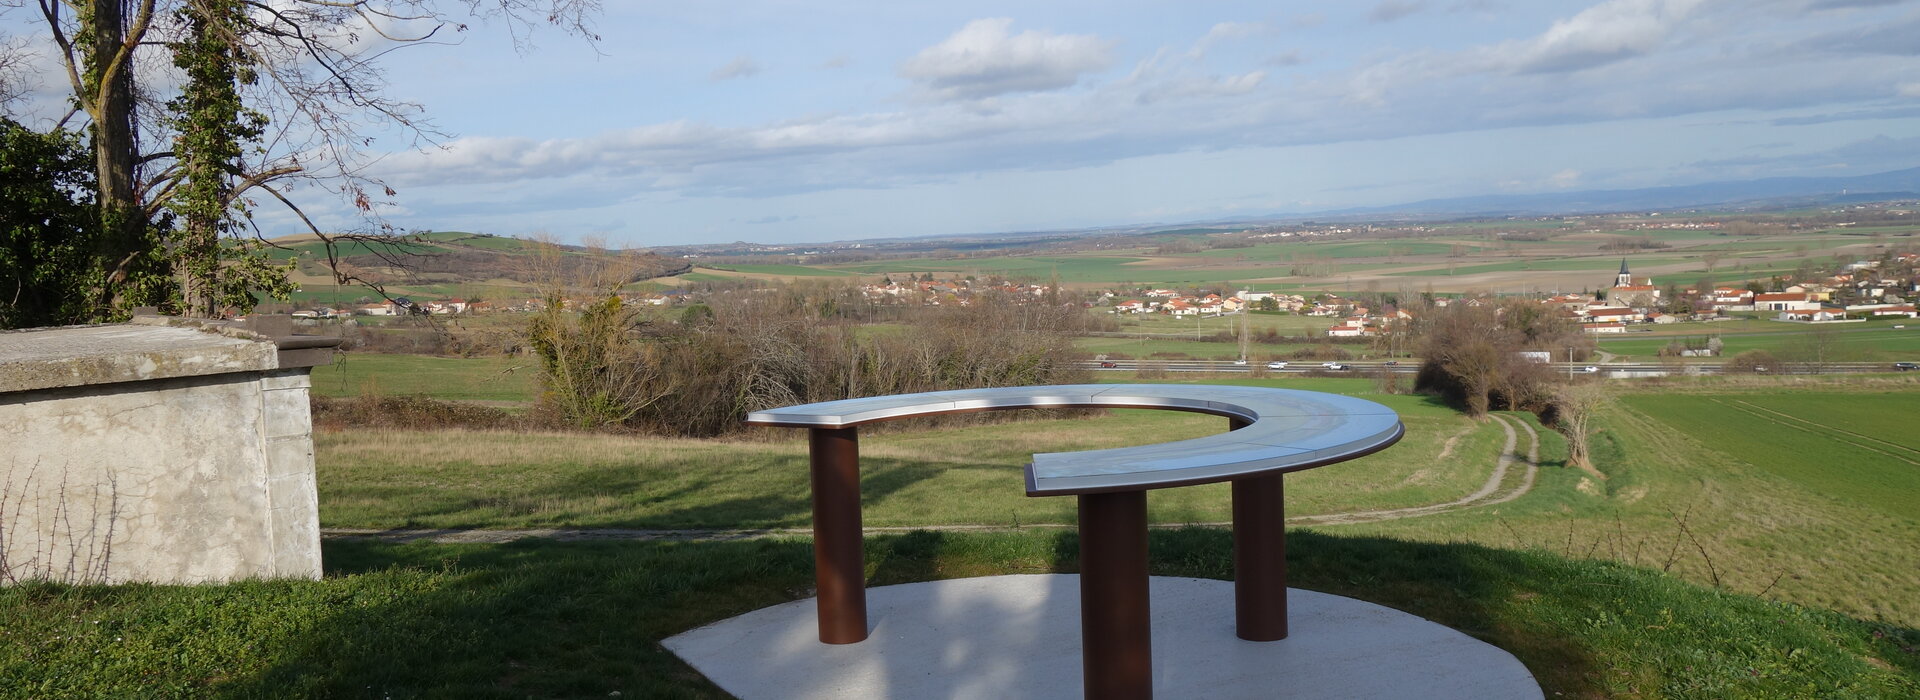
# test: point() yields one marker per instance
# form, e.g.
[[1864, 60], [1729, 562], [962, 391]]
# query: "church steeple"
[[1625, 279]]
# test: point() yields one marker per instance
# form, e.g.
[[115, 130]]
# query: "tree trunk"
[[111, 77]]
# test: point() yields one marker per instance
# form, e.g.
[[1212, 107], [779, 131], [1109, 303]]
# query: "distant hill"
[[1776, 192], [458, 257]]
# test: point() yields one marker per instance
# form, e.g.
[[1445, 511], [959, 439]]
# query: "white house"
[[1785, 301]]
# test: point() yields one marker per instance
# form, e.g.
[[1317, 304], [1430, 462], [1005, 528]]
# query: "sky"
[[781, 121]]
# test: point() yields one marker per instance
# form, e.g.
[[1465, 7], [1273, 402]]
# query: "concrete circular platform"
[[1019, 637]]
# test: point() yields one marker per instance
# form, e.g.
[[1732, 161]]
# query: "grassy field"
[[1860, 450], [546, 619], [1873, 341], [785, 270], [1587, 263], [447, 378], [965, 475], [1682, 497]]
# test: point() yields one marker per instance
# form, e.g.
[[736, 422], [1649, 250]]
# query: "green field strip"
[[1814, 461], [784, 270], [1542, 265], [1892, 418]]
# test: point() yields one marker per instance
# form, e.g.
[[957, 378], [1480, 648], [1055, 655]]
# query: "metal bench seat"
[[1273, 431]]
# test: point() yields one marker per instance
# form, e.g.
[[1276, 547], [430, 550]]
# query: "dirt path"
[[1488, 494]]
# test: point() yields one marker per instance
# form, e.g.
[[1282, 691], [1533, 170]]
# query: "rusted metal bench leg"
[[1259, 556], [839, 563], [1116, 634]]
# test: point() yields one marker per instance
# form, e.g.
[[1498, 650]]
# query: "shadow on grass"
[[536, 618], [775, 505]]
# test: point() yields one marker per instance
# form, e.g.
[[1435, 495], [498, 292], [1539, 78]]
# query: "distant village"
[[1858, 291]]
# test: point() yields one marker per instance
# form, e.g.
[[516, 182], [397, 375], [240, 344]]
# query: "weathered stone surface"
[[45, 358], [148, 452]]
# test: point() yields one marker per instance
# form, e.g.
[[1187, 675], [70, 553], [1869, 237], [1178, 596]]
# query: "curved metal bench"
[[1273, 431]]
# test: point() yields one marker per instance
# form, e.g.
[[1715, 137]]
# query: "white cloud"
[[1610, 31], [741, 67], [983, 60], [1002, 109]]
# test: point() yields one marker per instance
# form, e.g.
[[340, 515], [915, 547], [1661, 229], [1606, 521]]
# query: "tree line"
[[141, 191]]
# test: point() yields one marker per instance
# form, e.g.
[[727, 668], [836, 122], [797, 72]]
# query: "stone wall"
[[154, 452]]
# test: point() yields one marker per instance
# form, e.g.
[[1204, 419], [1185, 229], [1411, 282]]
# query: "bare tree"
[[1574, 407], [1815, 351], [319, 88]]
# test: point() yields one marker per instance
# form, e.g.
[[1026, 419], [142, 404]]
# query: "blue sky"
[[807, 121]]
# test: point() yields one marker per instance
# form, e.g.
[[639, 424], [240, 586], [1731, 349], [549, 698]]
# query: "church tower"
[[1625, 279]]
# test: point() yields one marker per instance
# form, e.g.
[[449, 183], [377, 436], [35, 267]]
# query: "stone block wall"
[[154, 452]]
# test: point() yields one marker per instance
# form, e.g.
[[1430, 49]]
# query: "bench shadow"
[[546, 618]]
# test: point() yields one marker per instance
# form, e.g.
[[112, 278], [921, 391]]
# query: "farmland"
[[1859, 449], [449, 378], [1874, 341], [1813, 511], [1446, 259]]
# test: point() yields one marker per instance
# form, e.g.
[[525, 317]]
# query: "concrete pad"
[[1019, 637]]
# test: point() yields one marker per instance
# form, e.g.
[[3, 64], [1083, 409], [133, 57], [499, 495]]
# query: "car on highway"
[[1238, 363], [1904, 366], [1108, 364], [1338, 366], [1277, 364], [1589, 369], [1391, 363], [1330, 364]]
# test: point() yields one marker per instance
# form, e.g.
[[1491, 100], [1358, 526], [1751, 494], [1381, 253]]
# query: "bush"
[[701, 376], [1751, 362]]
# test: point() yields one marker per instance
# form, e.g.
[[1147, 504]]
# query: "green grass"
[[1873, 341], [1832, 446], [1144, 348], [546, 619], [786, 270], [1076, 269], [966, 475], [317, 250], [1369, 249], [1464, 267], [1669, 496], [446, 378]]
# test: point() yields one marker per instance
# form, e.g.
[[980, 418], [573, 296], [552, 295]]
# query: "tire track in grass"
[[1789, 416], [1485, 496], [1488, 494], [1761, 414]]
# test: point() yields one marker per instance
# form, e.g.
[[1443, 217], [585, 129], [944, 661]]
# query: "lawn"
[[1669, 496], [964, 475], [548, 619], [447, 378]]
